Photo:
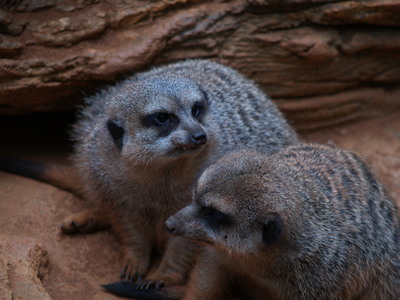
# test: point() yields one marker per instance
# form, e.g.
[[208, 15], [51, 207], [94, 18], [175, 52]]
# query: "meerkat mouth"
[[186, 149]]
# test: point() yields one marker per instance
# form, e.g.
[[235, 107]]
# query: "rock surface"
[[324, 62], [38, 262], [23, 264]]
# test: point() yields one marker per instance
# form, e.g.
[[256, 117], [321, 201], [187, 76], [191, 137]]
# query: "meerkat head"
[[236, 206], [158, 118]]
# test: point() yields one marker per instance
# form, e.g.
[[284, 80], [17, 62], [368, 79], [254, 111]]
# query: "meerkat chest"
[[153, 200]]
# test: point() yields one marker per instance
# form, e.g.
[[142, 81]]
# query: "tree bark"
[[323, 62]]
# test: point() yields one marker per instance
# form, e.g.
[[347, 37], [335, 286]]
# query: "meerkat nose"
[[199, 138], [170, 225]]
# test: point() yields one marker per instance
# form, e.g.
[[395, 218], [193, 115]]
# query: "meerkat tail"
[[62, 177], [129, 290]]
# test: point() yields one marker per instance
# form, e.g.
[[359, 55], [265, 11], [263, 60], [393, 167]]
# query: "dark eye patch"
[[272, 229], [215, 218], [159, 119], [164, 121]]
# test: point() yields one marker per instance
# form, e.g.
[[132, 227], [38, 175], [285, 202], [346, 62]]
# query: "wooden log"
[[323, 62]]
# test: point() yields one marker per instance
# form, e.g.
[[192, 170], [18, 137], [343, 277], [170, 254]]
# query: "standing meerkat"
[[142, 144], [310, 222]]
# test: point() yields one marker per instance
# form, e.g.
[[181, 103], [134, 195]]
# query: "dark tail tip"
[[60, 176], [23, 167], [129, 290]]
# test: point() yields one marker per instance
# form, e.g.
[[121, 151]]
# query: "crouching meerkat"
[[310, 222], [142, 144]]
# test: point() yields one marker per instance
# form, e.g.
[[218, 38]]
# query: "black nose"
[[170, 225], [199, 138]]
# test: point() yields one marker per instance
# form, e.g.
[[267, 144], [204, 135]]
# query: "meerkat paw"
[[84, 222], [134, 269]]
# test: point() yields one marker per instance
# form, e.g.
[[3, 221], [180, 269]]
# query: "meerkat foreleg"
[[136, 250], [210, 279], [178, 259]]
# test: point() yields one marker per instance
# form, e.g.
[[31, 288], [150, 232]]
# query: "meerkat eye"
[[197, 109], [161, 118]]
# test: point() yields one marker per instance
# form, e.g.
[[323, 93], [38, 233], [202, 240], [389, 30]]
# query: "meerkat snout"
[[186, 224], [199, 138], [190, 136], [170, 226]]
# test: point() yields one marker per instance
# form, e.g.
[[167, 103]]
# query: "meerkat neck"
[[177, 172]]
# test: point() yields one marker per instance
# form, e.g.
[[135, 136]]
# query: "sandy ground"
[[38, 262]]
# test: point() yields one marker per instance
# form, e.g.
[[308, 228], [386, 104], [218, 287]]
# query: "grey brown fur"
[[310, 222], [142, 144]]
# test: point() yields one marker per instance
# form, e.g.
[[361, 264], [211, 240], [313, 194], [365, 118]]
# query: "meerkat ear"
[[272, 229], [117, 132]]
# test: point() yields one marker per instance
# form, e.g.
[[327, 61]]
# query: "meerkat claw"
[[138, 277], [123, 272], [150, 284]]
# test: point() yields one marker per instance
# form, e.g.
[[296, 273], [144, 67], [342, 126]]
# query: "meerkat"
[[141, 145], [309, 222]]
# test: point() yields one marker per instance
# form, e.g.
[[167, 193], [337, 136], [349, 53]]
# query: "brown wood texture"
[[323, 62]]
